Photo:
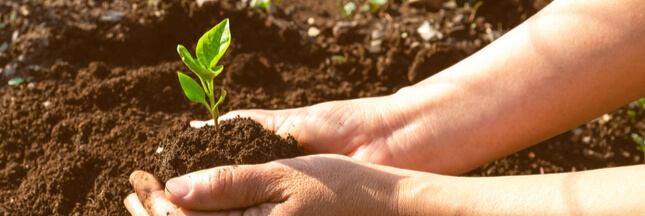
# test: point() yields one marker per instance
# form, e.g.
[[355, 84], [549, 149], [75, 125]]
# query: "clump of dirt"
[[240, 141]]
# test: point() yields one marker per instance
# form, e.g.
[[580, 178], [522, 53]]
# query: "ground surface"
[[103, 94]]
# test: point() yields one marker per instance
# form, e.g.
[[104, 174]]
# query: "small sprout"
[[365, 7], [474, 11], [376, 4], [640, 141], [277, 2], [338, 58], [260, 4], [641, 101], [404, 35], [348, 9], [16, 81], [12, 19], [152, 2], [210, 48], [631, 113]]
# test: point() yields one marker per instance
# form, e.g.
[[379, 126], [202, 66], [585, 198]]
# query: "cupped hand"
[[375, 130], [309, 185]]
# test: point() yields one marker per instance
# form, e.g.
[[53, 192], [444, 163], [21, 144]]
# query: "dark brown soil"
[[240, 141], [104, 95]]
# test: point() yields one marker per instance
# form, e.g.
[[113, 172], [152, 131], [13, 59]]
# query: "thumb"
[[226, 188]]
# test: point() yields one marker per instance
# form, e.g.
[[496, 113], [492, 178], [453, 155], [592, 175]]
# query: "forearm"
[[569, 63], [614, 191]]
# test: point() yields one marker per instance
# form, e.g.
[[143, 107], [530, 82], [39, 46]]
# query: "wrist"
[[431, 194]]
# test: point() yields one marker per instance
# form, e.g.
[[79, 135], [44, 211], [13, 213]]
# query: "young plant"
[[640, 141], [260, 3], [376, 4], [348, 9], [210, 48]]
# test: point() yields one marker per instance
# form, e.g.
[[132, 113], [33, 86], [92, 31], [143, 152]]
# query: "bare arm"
[[571, 62], [614, 191]]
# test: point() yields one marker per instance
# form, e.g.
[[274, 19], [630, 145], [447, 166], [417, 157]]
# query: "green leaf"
[[260, 3], [193, 91], [195, 67], [212, 45], [631, 113], [348, 9], [218, 70], [638, 139], [221, 98], [16, 81], [378, 2]]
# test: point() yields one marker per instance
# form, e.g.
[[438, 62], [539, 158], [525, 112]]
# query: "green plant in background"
[[348, 9], [18, 80], [640, 141], [634, 113], [12, 19], [260, 4], [210, 48], [376, 4], [474, 11], [365, 7]]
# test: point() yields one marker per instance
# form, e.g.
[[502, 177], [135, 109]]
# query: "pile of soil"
[[241, 141], [103, 95]]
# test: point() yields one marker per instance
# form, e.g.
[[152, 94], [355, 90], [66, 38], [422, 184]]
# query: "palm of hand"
[[365, 129]]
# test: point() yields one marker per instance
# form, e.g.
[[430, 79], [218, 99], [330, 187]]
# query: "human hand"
[[310, 185], [375, 130]]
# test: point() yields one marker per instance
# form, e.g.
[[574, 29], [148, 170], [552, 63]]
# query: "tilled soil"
[[103, 95]]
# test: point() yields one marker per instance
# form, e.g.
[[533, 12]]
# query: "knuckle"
[[219, 181]]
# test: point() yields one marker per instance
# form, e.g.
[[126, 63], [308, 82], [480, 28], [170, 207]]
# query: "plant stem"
[[215, 114]]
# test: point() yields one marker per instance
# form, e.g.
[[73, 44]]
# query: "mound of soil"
[[240, 141], [104, 95]]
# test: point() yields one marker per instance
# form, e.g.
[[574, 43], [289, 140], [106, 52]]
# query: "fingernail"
[[180, 187]]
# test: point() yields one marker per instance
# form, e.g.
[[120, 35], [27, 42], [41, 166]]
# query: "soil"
[[241, 141], [103, 95]]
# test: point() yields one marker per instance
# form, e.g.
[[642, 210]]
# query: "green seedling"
[[348, 9], [210, 48], [404, 35], [338, 58], [260, 4], [631, 113], [641, 101], [16, 81], [12, 20], [376, 4], [474, 11], [365, 8], [640, 141]]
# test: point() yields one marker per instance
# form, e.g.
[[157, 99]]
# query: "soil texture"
[[240, 141]]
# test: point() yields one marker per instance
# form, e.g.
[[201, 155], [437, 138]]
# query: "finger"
[[151, 195], [199, 124], [264, 117], [134, 206], [228, 187], [260, 210]]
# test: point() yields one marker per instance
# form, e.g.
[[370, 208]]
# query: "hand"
[[375, 130], [310, 185]]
